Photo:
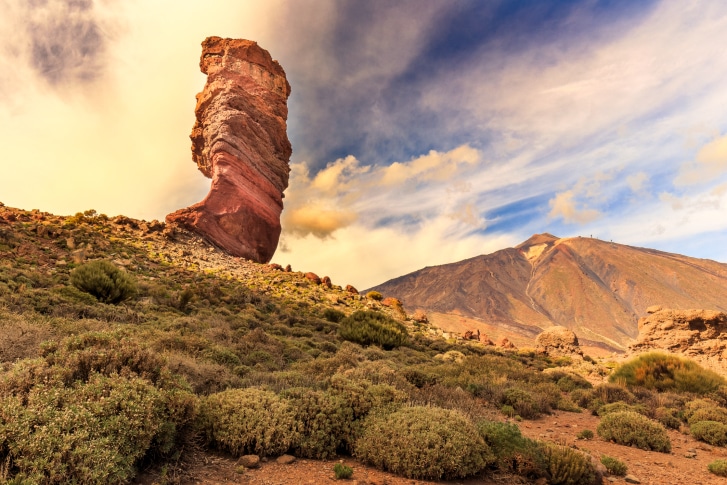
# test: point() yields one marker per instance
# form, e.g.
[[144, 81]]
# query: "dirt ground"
[[649, 467]]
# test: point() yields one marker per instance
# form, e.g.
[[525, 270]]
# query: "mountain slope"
[[597, 288]]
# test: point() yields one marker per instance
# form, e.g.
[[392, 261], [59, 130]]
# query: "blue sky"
[[423, 132]]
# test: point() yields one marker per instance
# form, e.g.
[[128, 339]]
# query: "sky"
[[424, 132]]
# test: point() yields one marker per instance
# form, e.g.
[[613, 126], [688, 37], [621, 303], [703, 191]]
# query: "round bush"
[[718, 467], [619, 406], [712, 432], [632, 429], [370, 327], [665, 372], [566, 466], [614, 465], [423, 443], [711, 413], [105, 281], [522, 401], [247, 421]]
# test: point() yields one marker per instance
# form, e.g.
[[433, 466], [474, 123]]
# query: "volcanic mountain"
[[596, 288]]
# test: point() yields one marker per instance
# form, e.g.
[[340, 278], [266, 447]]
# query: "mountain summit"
[[596, 288]]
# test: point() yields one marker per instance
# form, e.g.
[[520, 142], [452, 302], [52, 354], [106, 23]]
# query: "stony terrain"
[[239, 141]]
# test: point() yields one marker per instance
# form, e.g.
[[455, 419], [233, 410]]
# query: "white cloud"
[[710, 162], [565, 206]]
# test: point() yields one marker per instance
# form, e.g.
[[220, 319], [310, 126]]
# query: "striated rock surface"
[[557, 341], [700, 335], [239, 141]]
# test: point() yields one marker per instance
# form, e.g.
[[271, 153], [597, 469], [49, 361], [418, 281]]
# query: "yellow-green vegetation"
[[424, 443], [633, 429], [664, 372], [566, 466], [585, 434], [210, 351], [718, 467], [247, 421], [374, 295], [370, 327], [614, 466], [342, 471], [104, 281], [712, 432]]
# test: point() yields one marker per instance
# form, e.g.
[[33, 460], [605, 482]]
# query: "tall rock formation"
[[239, 141]]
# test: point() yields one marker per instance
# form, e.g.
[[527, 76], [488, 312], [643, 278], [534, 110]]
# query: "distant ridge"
[[596, 288]]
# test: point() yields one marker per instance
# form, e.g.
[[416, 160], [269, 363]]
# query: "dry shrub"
[[204, 377], [566, 466], [633, 429], [712, 432], [20, 339], [708, 413], [619, 406], [665, 372], [513, 452], [247, 421], [423, 443]]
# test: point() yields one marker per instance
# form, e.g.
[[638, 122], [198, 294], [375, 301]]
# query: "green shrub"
[[247, 421], [665, 372], [718, 467], [711, 413], [89, 409], [632, 429], [571, 382], [712, 432], [614, 466], [423, 443], [513, 452], [585, 434], [333, 315], [105, 281], [566, 466], [619, 406], [374, 295], [522, 401], [669, 417], [342, 471], [370, 327]]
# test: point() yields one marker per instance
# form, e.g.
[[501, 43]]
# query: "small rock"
[[249, 461], [285, 459], [690, 455], [631, 479]]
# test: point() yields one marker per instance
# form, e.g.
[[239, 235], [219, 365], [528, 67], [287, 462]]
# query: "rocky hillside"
[[596, 288]]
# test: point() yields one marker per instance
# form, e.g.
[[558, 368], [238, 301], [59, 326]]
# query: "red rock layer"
[[239, 141]]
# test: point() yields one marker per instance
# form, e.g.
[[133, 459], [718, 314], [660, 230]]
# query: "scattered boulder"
[[420, 316], [485, 340], [558, 341], [471, 335], [249, 461], [285, 459], [326, 281], [391, 302], [351, 289], [239, 140], [313, 278], [506, 344]]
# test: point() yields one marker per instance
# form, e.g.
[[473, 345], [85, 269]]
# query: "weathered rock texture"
[[239, 141], [558, 341], [700, 335]]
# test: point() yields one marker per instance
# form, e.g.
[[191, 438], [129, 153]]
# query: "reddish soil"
[[212, 469], [650, 467]]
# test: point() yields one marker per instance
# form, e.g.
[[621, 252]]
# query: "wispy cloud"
[[710, 162]]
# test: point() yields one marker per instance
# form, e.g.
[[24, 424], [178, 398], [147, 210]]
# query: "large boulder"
[[239, 140], [698, 334], [558, 341]]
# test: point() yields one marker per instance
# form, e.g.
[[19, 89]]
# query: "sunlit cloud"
[[710, 162], [565, 206]]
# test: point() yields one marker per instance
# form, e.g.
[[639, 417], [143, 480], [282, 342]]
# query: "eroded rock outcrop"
[[239, 141], [558, 341], [698, 334]]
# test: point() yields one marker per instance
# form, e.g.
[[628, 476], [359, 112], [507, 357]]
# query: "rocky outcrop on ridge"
[[558, 341], [239, 141], [700, 335]]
